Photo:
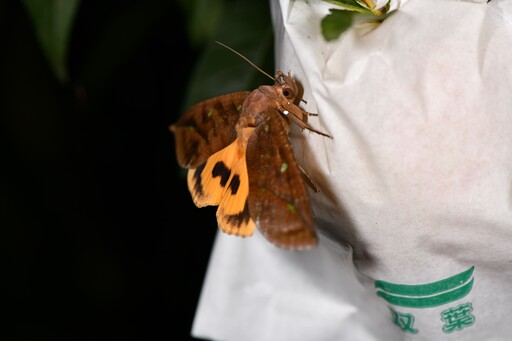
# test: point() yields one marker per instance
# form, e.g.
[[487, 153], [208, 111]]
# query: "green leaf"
[[335, 23], [52, 21], [246, 27], [203, 16]]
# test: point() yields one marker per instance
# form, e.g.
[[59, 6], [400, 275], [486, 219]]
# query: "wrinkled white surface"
[[418, 178], [255, 292]]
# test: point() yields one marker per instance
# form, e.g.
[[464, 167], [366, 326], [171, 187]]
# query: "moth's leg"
[[308, 179], [302, 124], [294, 112]]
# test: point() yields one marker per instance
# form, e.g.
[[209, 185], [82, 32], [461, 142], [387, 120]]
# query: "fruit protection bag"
[[414, 208]]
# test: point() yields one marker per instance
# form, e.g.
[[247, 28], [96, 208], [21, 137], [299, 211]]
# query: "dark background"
[[99, 237]]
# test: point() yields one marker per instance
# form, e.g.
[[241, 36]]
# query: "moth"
[[238, 154]]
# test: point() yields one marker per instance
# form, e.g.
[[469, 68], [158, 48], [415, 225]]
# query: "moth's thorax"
[[269, 91], [257, 106]]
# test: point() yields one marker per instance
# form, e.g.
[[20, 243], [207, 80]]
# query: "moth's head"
[[287, 87]]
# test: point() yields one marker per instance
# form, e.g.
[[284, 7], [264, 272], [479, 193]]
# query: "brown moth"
[[238, 155]]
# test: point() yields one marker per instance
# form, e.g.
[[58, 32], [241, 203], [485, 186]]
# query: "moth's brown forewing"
[[278, 198], [206, 128]]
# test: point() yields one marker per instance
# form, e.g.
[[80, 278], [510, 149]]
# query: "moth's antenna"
[[246, 59]]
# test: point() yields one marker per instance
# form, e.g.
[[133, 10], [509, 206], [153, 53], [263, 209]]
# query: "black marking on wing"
[[234, 185], [221, 170], [239, 218], [198, 186]]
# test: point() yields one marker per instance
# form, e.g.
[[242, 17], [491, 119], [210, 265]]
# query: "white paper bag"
[[415, 202]]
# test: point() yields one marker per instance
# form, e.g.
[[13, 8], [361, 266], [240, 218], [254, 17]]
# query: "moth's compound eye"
[[288, 93]]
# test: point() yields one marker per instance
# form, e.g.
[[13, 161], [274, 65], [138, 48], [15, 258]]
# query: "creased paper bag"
[[415, 202]]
